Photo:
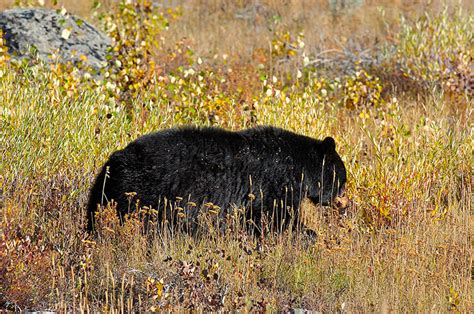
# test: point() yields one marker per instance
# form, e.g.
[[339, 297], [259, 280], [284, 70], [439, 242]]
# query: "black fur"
[[222, 167]]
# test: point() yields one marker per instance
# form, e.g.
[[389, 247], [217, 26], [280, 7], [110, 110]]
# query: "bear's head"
[[328, 180]]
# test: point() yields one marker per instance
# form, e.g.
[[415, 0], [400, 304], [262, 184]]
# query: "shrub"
[[436, 51]]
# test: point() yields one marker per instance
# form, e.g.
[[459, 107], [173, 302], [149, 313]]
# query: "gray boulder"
[[47, 31]]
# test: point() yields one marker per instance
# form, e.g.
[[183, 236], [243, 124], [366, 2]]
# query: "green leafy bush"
[[135, 28], [437, 50]]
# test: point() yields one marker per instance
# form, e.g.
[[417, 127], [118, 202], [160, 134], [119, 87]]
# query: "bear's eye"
[[342, 190]]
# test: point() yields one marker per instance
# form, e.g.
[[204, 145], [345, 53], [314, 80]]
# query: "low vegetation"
[[399, 107]]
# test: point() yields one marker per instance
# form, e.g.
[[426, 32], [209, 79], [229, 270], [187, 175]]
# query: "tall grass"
[[405, 244]]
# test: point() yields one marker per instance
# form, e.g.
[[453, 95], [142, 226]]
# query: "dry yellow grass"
[[404, 246]]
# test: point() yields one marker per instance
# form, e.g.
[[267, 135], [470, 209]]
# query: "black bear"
[[266, 169]]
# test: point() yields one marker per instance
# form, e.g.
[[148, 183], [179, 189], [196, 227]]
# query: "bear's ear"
[[329, 144]]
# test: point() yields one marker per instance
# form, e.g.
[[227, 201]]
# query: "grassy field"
[[387, 79]]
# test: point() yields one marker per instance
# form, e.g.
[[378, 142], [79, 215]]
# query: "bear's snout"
[[341, 202]]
